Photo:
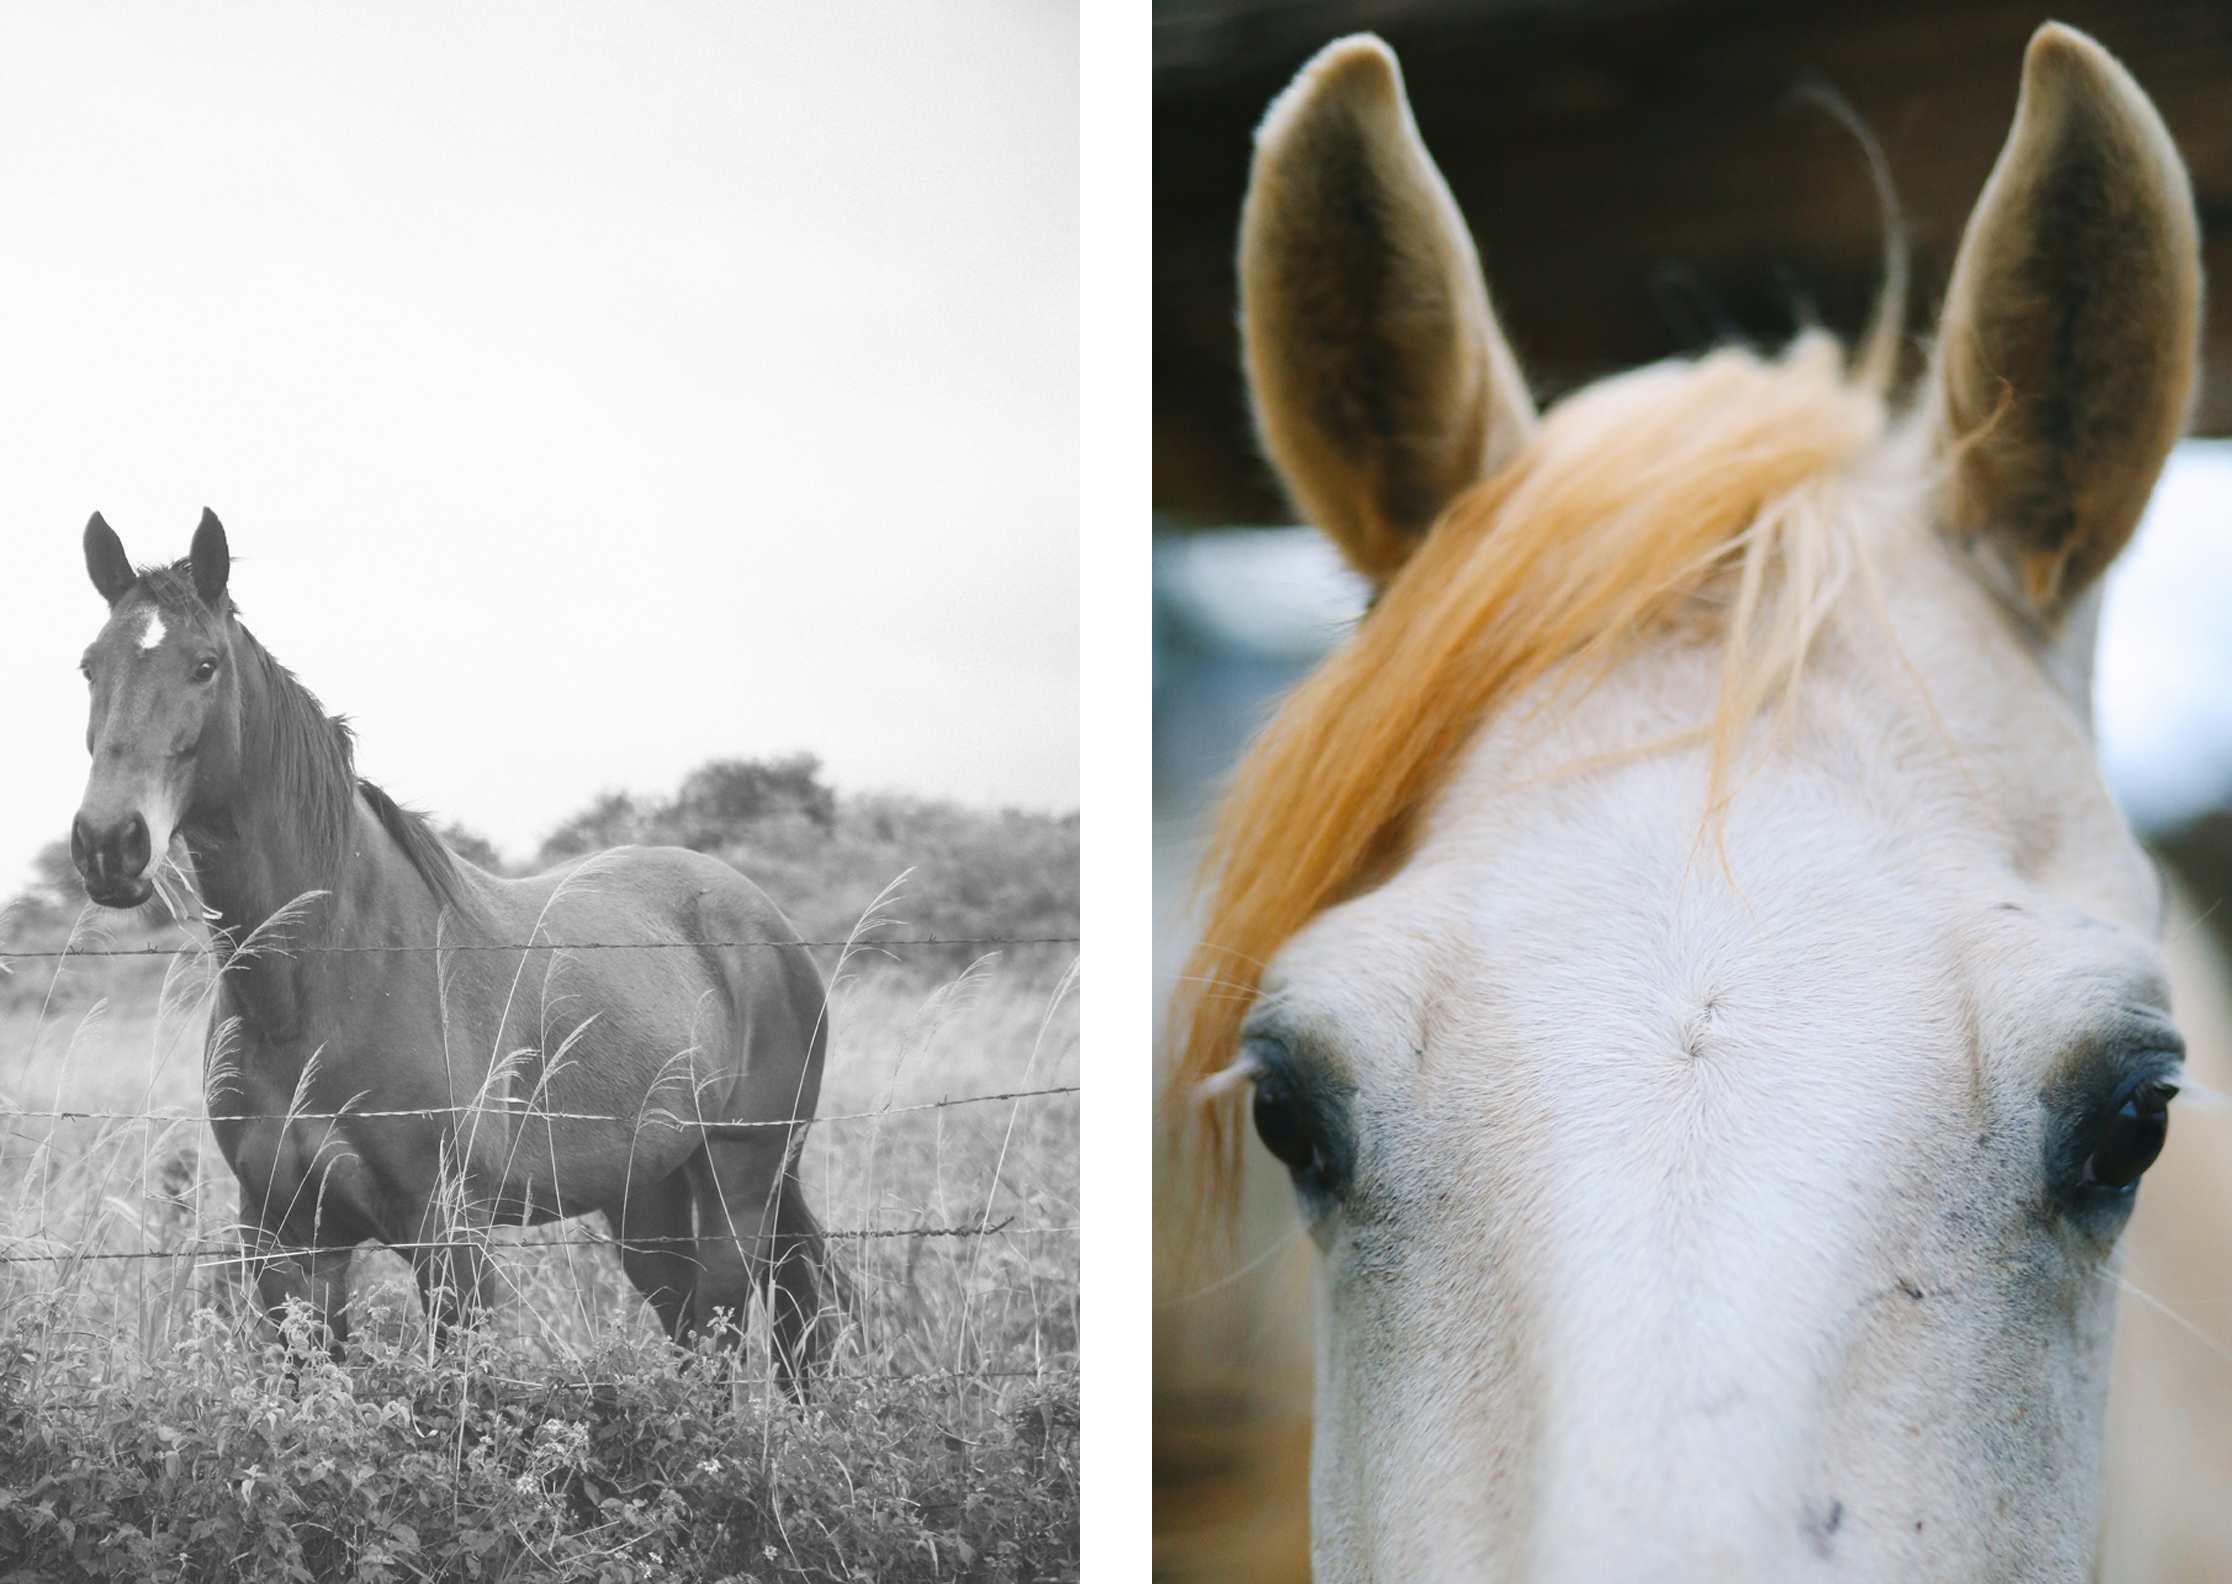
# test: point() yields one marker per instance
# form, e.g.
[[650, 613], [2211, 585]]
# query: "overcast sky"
[[588, 390]]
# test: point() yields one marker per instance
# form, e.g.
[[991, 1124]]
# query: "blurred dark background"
[[1642, 178]]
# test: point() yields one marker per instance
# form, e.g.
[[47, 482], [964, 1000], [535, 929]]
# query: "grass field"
[[151, 1425]]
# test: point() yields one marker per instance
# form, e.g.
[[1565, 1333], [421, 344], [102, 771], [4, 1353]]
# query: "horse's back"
[[662, 955], [2168, 1500], [669, 897], [676, 884]]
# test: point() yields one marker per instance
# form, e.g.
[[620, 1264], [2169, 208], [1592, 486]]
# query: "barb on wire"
[[237, 1254], [520, 1109], [446, 947]]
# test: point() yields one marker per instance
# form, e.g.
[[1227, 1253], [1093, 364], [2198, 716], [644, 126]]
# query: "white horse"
[[1708, 1009]]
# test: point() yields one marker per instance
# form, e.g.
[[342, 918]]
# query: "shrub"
[[150, 1429], [825, 859], [264, 1464]]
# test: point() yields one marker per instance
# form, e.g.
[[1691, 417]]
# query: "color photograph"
[[1692, 770]]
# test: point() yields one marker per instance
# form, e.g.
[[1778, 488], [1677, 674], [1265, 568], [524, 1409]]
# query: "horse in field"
[[1698, 1010], [407, 1050]]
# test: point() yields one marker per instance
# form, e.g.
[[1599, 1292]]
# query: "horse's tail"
[[840, 1297]]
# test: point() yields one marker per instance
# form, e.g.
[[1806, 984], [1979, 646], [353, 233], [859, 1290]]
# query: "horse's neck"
[[272, 895], [272, 879]]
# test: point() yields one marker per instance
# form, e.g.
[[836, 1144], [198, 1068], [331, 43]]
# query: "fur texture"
[[554, 1083], [1687, 925], [1382, 385], [2066, 367], [1691, 495]]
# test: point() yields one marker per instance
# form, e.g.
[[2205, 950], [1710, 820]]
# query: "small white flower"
[[710, 1467]]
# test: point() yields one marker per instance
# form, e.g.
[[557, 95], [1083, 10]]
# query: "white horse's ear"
[[1381, 384], [2067, 355]]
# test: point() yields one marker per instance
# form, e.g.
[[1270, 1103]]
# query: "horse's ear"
[[2067, 355], [1381, 384], [110, 569], [211, 560]]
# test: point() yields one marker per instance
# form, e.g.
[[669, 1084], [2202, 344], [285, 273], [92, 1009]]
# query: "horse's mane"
[[1682, 491], [308, 757], [410, 830]]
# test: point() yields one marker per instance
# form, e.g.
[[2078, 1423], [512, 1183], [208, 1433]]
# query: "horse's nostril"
[[109, 858], [133, 849]]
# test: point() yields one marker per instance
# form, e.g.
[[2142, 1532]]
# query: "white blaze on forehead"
[[151, 635]]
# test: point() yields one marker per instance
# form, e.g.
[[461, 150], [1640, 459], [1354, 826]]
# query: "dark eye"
[[205, 668], [1281, 1123], [2138, 1122]]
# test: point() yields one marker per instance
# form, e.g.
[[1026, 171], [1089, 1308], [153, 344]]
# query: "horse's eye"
[[2134, 1135], [1281, 1124], [205, 669]]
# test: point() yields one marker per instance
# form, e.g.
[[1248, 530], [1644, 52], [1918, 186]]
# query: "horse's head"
[[1681, 949], [165, 725]]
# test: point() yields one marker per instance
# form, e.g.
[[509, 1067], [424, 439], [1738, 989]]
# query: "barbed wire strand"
[[858, 943], [720, 1127], [236, 1255], [1067, 1373], [1062, 1372]]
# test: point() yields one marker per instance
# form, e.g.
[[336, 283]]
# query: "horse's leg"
[[316, 1278], [755, 1229], [795, 1299], [654, 1226], [734, 1182]]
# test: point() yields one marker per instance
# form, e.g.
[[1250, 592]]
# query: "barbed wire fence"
[[857, 943], [235, 1253]]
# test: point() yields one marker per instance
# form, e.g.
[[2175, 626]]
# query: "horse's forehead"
[[1567, 910], [1848, 879], [144, 625]]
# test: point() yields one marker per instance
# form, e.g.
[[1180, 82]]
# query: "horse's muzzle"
[[113, 862]]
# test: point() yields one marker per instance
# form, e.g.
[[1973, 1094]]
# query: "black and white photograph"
[[539, 975]]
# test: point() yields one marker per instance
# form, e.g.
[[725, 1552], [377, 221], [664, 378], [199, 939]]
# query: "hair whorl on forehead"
[[1635, 494]]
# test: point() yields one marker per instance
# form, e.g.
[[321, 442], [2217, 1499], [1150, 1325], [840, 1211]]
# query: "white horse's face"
[[1734, 1198], [1691, 1221]]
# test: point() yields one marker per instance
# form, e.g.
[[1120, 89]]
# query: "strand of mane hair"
[[308, 758], [1637, 495]]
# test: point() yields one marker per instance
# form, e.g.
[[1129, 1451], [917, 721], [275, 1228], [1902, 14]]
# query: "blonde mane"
[[1680, 492]]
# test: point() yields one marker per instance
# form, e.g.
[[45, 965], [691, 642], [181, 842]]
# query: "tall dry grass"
[[150, 1419]]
